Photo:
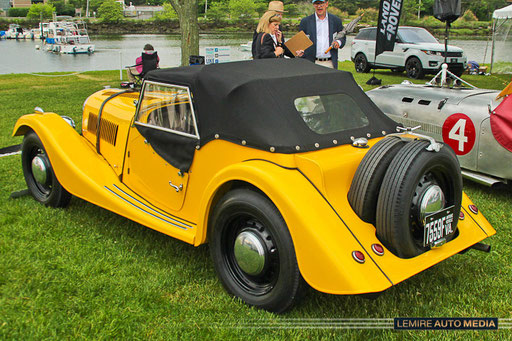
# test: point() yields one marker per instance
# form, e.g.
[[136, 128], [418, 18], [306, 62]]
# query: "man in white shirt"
[[321, 28]]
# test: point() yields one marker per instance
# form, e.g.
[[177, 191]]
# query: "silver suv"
[[416, 51]]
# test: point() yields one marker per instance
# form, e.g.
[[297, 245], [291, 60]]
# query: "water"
[[116, 52]]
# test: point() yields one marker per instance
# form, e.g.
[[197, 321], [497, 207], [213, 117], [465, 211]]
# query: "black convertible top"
[[253, 101]]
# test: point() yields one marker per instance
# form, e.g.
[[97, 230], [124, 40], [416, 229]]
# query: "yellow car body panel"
[[116, 119], [91, 178], [309, 190]]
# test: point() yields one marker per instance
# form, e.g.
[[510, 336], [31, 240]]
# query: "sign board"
[[216, 55]]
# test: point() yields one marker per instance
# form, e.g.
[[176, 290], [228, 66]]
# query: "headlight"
[[432, 53]]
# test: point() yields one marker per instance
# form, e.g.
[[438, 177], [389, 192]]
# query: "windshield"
[[415, 35], [327, 114]]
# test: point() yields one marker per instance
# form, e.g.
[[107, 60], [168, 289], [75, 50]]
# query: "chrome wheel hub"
[[40, 169], [431, 201], [250, 253]]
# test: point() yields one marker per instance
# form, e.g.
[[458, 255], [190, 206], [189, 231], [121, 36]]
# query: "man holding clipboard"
[[321, 28]]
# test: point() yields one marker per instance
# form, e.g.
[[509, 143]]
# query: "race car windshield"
[[327, 114], [416, 35]]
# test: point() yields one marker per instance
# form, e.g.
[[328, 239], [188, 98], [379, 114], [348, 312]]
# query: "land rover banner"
[[389, 18]]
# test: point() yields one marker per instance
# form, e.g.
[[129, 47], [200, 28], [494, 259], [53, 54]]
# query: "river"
[[115, 52]]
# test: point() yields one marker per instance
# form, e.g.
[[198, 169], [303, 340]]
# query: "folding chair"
[[149, 62]]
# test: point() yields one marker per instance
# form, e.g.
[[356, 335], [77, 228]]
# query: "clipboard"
[[300, 41]]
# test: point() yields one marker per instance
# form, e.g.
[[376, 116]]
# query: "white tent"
[[501, 57], [503, 13]]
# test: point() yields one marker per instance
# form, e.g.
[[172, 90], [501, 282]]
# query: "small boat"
[[247, 46], [67, 37], [15, 32]]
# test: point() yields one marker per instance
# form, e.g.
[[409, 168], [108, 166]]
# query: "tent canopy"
[[501, 56], [503, 13]]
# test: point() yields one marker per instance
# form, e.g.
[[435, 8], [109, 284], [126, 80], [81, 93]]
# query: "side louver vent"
[[92, 123], [108, 129]]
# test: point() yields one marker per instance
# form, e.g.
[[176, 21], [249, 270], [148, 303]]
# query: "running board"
[[481, 178]]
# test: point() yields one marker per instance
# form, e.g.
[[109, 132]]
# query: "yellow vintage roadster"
[[285, 168]]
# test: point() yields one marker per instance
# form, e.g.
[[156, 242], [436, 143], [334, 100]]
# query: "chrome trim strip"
[[167, 130], [152, 209], [168, 222]]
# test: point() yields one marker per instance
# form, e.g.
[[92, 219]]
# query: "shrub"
[[167, 13], [370, 14], [304, 9], [18, 12], [241, 9], [111, 11], [36, 10], [338, 12], [469, 16], [217, 11]]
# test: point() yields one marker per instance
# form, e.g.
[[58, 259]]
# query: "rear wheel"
[[417, 183], [414, 69], [39, 175], [253, 252], [361, 63]]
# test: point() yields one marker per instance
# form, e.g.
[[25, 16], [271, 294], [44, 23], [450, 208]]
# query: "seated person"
[[146, 62]]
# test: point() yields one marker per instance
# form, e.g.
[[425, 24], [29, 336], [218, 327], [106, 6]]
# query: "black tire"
[[414, 69], [48, 190], [361, 63], [412, 171], [276, 286], [458, 73], [364, 190]]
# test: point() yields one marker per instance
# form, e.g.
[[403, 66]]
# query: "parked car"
[[462, 117], [416, 51], [269, 162]]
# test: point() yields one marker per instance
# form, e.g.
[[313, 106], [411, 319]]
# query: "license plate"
[[438, 226]]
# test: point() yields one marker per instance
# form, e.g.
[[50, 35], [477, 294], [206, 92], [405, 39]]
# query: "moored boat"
[[67, 37]]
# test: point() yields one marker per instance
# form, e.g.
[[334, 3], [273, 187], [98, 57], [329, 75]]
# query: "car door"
[[161, 145], [393, 58]]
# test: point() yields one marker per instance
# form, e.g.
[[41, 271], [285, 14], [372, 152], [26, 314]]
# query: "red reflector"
[[461, 215], [358, 256], [378, 249], [473, 209]]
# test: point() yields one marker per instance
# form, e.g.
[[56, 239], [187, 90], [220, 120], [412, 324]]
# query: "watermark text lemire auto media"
[[446, 323]]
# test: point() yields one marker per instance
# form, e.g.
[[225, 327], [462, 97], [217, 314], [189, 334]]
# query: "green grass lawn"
[[86, 273]]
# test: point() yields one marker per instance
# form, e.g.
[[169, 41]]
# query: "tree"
[[111, 11], [187, 16], [216, 11], [483, 9], [36, 10], [242, 9], [167, 13]]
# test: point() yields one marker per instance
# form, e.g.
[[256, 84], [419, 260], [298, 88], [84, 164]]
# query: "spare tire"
[[413, 176], [364, 190]]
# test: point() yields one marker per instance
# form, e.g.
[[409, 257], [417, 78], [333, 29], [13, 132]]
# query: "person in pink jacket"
[[146, 62]]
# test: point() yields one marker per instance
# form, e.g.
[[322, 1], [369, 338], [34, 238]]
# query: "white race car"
[[476, 124]]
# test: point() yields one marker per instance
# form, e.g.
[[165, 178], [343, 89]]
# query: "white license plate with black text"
[[438, 226]]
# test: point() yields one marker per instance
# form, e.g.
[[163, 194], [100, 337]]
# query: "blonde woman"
[[269, 40]]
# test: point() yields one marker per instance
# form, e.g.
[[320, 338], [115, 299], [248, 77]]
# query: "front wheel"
[[253, 252], [361, 63], [39, 175]]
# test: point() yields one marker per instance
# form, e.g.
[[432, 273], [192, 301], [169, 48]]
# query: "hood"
[[435, 47]]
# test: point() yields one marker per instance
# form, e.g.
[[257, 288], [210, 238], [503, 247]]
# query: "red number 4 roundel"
[[459, 133]]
